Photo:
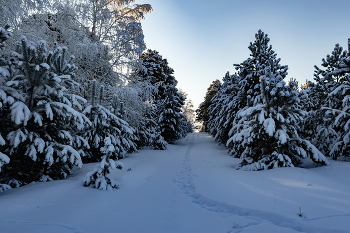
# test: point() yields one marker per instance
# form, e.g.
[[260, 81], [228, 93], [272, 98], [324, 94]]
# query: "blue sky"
[[203, 39]]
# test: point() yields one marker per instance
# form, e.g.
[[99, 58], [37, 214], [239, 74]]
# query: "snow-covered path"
[[191, 187]]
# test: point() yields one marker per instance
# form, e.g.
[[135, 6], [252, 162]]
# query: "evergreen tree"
[[171, 121], [166, 97], [340, 115], [99, 178], [140, 113], [156, 71], [265, 135], [226, 105], [250, 70], [149, 132], [43, 142], [107, 124], [188, 111], [202, 111], [319, 121], [6, 99]]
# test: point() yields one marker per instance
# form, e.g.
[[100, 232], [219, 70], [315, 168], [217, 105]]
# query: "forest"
[[78, 85], [269, 123]]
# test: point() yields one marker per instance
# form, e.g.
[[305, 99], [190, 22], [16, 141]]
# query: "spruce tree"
[[340, 115], [261, 56], [149, 132]]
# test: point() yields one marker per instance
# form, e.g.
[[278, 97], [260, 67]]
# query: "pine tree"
[[44, 140], [6, 99], [171, 121], [202, 111], [265, 135], [99, 178], [149, 132], [157, 72], [318, 124], [340, 115], [165, 96], [140, 114], [107, 124], [261, 56], [224, 109]]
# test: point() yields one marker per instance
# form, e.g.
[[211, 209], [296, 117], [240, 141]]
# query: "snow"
[[3, 159], [20, 113], [190, 187], [269, 125]]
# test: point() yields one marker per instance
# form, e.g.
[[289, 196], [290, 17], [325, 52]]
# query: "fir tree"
[[261, 56], [340, 115], [140, 114], [157, 72]]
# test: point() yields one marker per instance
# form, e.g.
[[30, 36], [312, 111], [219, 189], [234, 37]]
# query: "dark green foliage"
[[165, 96], [202, 111]]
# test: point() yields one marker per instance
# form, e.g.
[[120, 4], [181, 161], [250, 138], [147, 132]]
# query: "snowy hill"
[[191, 187]]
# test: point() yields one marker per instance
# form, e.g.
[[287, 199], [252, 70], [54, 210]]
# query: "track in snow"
[[48, 227], [256, 217]]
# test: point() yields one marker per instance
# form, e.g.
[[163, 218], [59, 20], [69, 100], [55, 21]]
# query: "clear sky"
[[202, 39]]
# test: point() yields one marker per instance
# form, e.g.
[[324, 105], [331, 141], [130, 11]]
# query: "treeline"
[[77, 86], [269, 123]]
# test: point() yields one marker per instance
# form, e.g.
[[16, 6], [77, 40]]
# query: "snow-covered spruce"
[[42, 133], [265, 135], [99, 178]]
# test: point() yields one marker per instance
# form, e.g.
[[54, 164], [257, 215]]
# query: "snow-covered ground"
[[191, 187]]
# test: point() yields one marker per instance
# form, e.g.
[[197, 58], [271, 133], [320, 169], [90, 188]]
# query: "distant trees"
[[202, 111]]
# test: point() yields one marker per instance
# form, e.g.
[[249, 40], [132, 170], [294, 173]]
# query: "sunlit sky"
[[202, 39]]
